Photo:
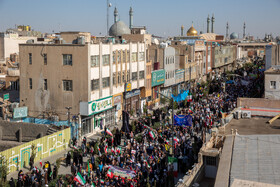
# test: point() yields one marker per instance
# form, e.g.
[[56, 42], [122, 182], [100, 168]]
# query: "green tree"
[[4, 171]]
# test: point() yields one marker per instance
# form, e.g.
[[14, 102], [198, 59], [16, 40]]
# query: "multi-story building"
[[272, 83], [87, 77], [272, 55], [224, 58]]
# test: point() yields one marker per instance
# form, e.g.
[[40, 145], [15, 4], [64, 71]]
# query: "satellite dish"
[[110, 4]]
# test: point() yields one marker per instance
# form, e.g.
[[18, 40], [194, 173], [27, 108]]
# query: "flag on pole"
[[147, 127], [176, 139], [109, 132], [41, 163], [152, 135], [112, 150], [119, 150], [102, 181], [80, 179], [88, 167]]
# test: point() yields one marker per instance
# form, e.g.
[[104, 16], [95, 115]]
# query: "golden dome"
[[192, 31]]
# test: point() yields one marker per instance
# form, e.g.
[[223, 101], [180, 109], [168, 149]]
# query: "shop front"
[[97, 114], [132, 101]]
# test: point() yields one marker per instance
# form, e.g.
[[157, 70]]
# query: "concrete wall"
[[270, 92], [259, 106], [169, 66], [54, 99], [28, 132], [19, 156]]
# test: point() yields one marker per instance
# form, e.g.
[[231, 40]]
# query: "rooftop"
[[273, 70], [256, 158]]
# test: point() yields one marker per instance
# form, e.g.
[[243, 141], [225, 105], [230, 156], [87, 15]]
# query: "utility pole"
[[68, 113]]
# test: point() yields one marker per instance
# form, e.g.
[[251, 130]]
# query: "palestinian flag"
[[80, 179], [152, 135], [110, 174], [109, 132]]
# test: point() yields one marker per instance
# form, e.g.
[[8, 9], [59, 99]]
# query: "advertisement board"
[[20, 112], [158, 77], [97, 106]]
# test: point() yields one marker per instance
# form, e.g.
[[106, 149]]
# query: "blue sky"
[[162, 17]]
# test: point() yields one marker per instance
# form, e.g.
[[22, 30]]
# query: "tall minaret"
[[182, 30], [116, 13], [227, 29], [208, 24], [130, 18], [244, 30], [213, 20]]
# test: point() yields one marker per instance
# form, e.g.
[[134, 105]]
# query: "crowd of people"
[[143, 157]]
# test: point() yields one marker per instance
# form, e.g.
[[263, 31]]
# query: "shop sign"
[[179, 75], [20, 112], [132, 93], [6, 97], [128, 87], [118, 101], [94, 107], [158, 77]]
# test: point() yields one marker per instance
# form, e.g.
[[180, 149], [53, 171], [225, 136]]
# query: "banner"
[[123, 173], [181, 97], [183, 120]]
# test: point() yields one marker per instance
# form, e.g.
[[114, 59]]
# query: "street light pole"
[[68, 113]]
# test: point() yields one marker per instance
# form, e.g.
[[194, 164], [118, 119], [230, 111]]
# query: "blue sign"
[[183, 120], [132, 93]]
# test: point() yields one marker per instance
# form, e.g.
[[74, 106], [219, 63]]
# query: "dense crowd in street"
[[143, 157]]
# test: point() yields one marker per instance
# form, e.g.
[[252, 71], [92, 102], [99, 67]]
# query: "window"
[[67, 59], [114, 57], [123, 76], [134, 76], [141, 74], [273, 84], [128, 75], [119, 77], [165, 75], [67, 85], [114, 79], [94, 84], [45, 59], [211, 161], [30, 58], [94, 61], [45, 84], [119, 56], [30, 83], [124, 58], [127, 56], [141, 56], [106, 82], [134, 57], [106, 60]]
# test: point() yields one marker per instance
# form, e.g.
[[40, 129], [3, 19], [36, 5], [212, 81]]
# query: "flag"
[[190, 111], [102, 181], [80, 179], [109, 132], [88, 167], [106, 148], [152, 135], [50, 174], [112, 140], [176, 139], [110, 174], [112, 150], [183, 120], [41, 163], [133, 151], [147, 127], [93, 185], [119, 150]]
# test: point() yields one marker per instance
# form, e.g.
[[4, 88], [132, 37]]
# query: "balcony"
[[13, 72]]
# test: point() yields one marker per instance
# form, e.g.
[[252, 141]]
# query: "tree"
[[4, 171]]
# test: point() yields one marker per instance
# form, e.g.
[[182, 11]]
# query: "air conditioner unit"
[[246, 114]]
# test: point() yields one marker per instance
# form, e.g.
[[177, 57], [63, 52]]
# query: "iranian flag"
[[152, 135], [119, 150], [110, 174], [80, 179], [147, 127], [167, 142], [176, 139], [93, 185], [109, 132], [133, 151], [112, 150], [106, 148], [41, 163], [102, 181], [190, 111]]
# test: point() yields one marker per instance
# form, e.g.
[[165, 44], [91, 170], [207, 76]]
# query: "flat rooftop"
[[256, 125], [256, 158]]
